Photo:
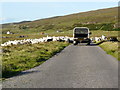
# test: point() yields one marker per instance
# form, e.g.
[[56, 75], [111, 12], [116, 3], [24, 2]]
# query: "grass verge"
[[18, 58], [111, 48]]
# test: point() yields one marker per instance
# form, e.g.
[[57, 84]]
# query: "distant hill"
[[105, 19]]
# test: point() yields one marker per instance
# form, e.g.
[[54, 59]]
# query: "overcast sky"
[[22, 11]]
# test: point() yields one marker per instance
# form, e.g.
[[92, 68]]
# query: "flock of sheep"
[[47, 39], [33, 41], [96, 39]]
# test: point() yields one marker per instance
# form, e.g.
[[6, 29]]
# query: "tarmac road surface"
[[74, 67]]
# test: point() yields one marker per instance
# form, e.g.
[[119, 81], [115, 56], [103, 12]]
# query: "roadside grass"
[[111, 48], [18, 58]]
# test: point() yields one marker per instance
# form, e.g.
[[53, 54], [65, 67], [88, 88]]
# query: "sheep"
[[54, 38], [4, 44], [98, 39], [49, 39], [71, 39], [103, 37]]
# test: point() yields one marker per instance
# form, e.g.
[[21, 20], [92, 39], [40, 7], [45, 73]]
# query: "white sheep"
[[98, 39], [103, 37]]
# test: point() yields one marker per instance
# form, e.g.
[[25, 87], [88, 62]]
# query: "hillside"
[[103, 19]]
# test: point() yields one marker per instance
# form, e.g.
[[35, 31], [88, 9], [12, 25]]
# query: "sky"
[[29, 11]]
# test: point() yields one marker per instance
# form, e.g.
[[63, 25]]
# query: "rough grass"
[[111, 48], [18, 58], [106, 33], [67, 22]]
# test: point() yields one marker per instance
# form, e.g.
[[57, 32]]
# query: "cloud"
[[3, 19]]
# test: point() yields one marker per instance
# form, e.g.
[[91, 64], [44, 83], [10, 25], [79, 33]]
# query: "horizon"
[[51, 9]]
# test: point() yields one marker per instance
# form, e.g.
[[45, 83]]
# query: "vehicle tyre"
[[89, 42], [75, 42]]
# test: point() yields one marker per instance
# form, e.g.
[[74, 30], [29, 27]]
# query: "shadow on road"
[[12, 74], [27, 72], [92, 44], [84, 44]]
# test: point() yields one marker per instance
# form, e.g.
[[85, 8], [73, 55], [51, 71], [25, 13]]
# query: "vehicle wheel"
[[75, 42], [88, 43]]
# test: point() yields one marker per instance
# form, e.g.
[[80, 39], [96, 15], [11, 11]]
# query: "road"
[[74, 67]]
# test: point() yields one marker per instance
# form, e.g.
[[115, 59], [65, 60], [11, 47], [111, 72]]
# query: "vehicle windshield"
[[81, 31]]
